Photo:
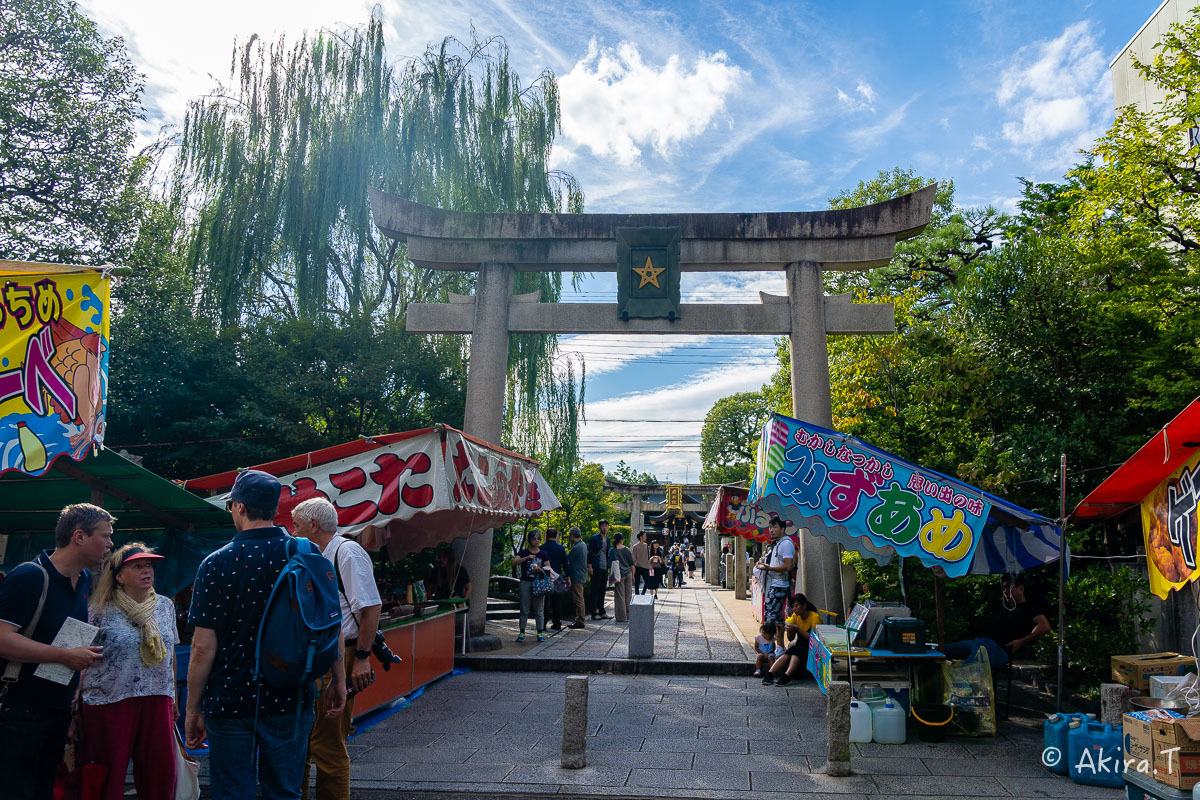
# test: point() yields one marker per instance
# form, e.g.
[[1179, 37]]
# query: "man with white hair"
[[316, 520]]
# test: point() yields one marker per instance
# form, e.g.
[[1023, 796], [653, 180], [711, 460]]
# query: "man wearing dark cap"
[[224, 702]]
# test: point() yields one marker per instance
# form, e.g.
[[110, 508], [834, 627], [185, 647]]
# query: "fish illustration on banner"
[[866, 499], [53, 363]]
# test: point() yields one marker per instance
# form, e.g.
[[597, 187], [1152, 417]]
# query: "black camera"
[[384, 653]]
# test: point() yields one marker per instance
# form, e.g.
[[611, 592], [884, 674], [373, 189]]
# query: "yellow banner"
[[675, 498], [1169, 524], [53, 365]]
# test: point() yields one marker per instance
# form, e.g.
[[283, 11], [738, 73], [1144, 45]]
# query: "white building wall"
[[1128, 86]]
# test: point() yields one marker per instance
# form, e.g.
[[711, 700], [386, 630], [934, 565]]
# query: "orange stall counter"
[[427, 646]]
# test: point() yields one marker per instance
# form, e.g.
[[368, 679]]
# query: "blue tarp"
[[878, 504]]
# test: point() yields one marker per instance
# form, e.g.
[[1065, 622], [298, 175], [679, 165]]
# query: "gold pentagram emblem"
[[649, 274]]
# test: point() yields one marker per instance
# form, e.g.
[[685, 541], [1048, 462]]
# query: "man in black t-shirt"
[[35, 713], [1023, 625]]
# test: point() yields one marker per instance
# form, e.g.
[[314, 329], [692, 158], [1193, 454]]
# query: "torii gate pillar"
[[820, 573], [484, 417]]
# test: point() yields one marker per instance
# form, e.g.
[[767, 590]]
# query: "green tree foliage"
[[729, 438], [269, 203], [68, 103], [584, 500]]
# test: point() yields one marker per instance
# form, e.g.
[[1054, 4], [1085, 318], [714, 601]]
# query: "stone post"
[[837, 729], [575, 712], [820, 573], [712, 556], [1113, 698], [739, 568], [635, 516], [641, 627], [486, 376]]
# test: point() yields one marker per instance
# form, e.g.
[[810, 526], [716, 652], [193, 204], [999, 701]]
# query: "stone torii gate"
[[801, 244]]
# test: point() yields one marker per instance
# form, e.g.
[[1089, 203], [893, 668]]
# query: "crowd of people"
[[119, 691], [556, 581]]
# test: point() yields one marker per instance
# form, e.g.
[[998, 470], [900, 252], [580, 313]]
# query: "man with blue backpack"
[[267, 620]]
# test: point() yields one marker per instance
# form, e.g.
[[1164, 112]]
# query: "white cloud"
[[865, 101], [1056, 96], [671, 450], [615, 104], [871, 135]]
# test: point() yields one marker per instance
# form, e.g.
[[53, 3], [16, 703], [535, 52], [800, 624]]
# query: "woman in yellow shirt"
[[798, 624]]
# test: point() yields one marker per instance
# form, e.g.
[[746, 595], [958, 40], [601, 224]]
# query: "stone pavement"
[[496, 733], [689, 623]]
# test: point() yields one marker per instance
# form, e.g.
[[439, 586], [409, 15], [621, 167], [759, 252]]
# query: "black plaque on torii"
[[648, 273]]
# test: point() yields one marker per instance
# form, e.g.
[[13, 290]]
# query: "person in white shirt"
[[316, 520], [777, 563]]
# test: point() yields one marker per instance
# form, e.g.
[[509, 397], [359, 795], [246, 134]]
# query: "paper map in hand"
[[73, 633]]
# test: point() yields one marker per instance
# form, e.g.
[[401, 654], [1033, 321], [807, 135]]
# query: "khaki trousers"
[[327, 745], [577, 597], [622, 590]]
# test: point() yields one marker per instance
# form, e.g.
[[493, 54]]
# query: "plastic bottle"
[[31, 448], [1094, 754], [860, 721], [888, 722], [1054, 737]]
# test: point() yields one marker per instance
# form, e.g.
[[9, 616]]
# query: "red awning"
[[1145, 469]]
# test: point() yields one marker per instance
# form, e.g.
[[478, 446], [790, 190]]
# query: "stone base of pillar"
[[483, 642]]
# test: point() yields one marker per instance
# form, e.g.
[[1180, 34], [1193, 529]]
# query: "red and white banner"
[[410, 490]]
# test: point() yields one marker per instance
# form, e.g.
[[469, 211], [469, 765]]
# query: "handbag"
[[614, 572], [187, 771], [542, 585]]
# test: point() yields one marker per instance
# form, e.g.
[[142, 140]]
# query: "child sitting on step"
[[764, 643]]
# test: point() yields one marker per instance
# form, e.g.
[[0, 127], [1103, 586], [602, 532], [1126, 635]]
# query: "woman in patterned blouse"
[[129, 694]]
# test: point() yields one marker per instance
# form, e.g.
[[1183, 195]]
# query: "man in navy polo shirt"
[[229, 599], [36, 713]]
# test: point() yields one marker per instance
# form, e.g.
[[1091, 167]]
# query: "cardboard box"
[[1135, 671], [1176, 744], [1161, 685], [1139, 745]]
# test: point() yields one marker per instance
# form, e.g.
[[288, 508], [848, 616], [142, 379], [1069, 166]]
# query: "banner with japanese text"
[[1170, 526], [732, 515], [53, 364], [487, 480], [866, 499]]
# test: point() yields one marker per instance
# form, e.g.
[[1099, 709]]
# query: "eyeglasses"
[[229, 505]]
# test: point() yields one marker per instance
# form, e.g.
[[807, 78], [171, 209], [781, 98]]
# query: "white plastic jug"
[[888, 722], [860, 721]]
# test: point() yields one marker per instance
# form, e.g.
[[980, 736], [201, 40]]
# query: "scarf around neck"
[[152, 649]]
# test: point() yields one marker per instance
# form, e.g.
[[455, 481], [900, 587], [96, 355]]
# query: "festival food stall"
[[865, 499], [401, 495], [731, 515]]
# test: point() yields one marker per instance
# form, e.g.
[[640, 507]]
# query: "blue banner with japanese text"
[[866, 499]]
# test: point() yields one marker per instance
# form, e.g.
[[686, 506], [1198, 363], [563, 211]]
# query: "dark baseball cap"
[[256, 489]]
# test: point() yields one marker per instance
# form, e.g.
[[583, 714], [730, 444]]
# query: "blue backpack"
[[300, 635]]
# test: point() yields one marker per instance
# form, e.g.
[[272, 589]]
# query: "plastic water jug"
[[1094, 754], [888, 722], [1054, 740], [860, 721]]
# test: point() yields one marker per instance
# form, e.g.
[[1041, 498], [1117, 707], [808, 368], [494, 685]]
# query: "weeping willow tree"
[[274, 168]]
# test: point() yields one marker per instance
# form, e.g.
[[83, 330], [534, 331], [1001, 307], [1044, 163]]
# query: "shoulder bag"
[[187, 771], [12, 672]]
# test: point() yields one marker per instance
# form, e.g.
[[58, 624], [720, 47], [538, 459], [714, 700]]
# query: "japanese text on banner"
[[53, 367]]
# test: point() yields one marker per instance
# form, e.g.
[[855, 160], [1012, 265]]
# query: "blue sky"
[[722, 106]]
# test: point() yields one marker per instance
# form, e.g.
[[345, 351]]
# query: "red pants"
[[137, 727]]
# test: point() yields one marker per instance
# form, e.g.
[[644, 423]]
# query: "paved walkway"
[[689, 623], [496, 733]]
